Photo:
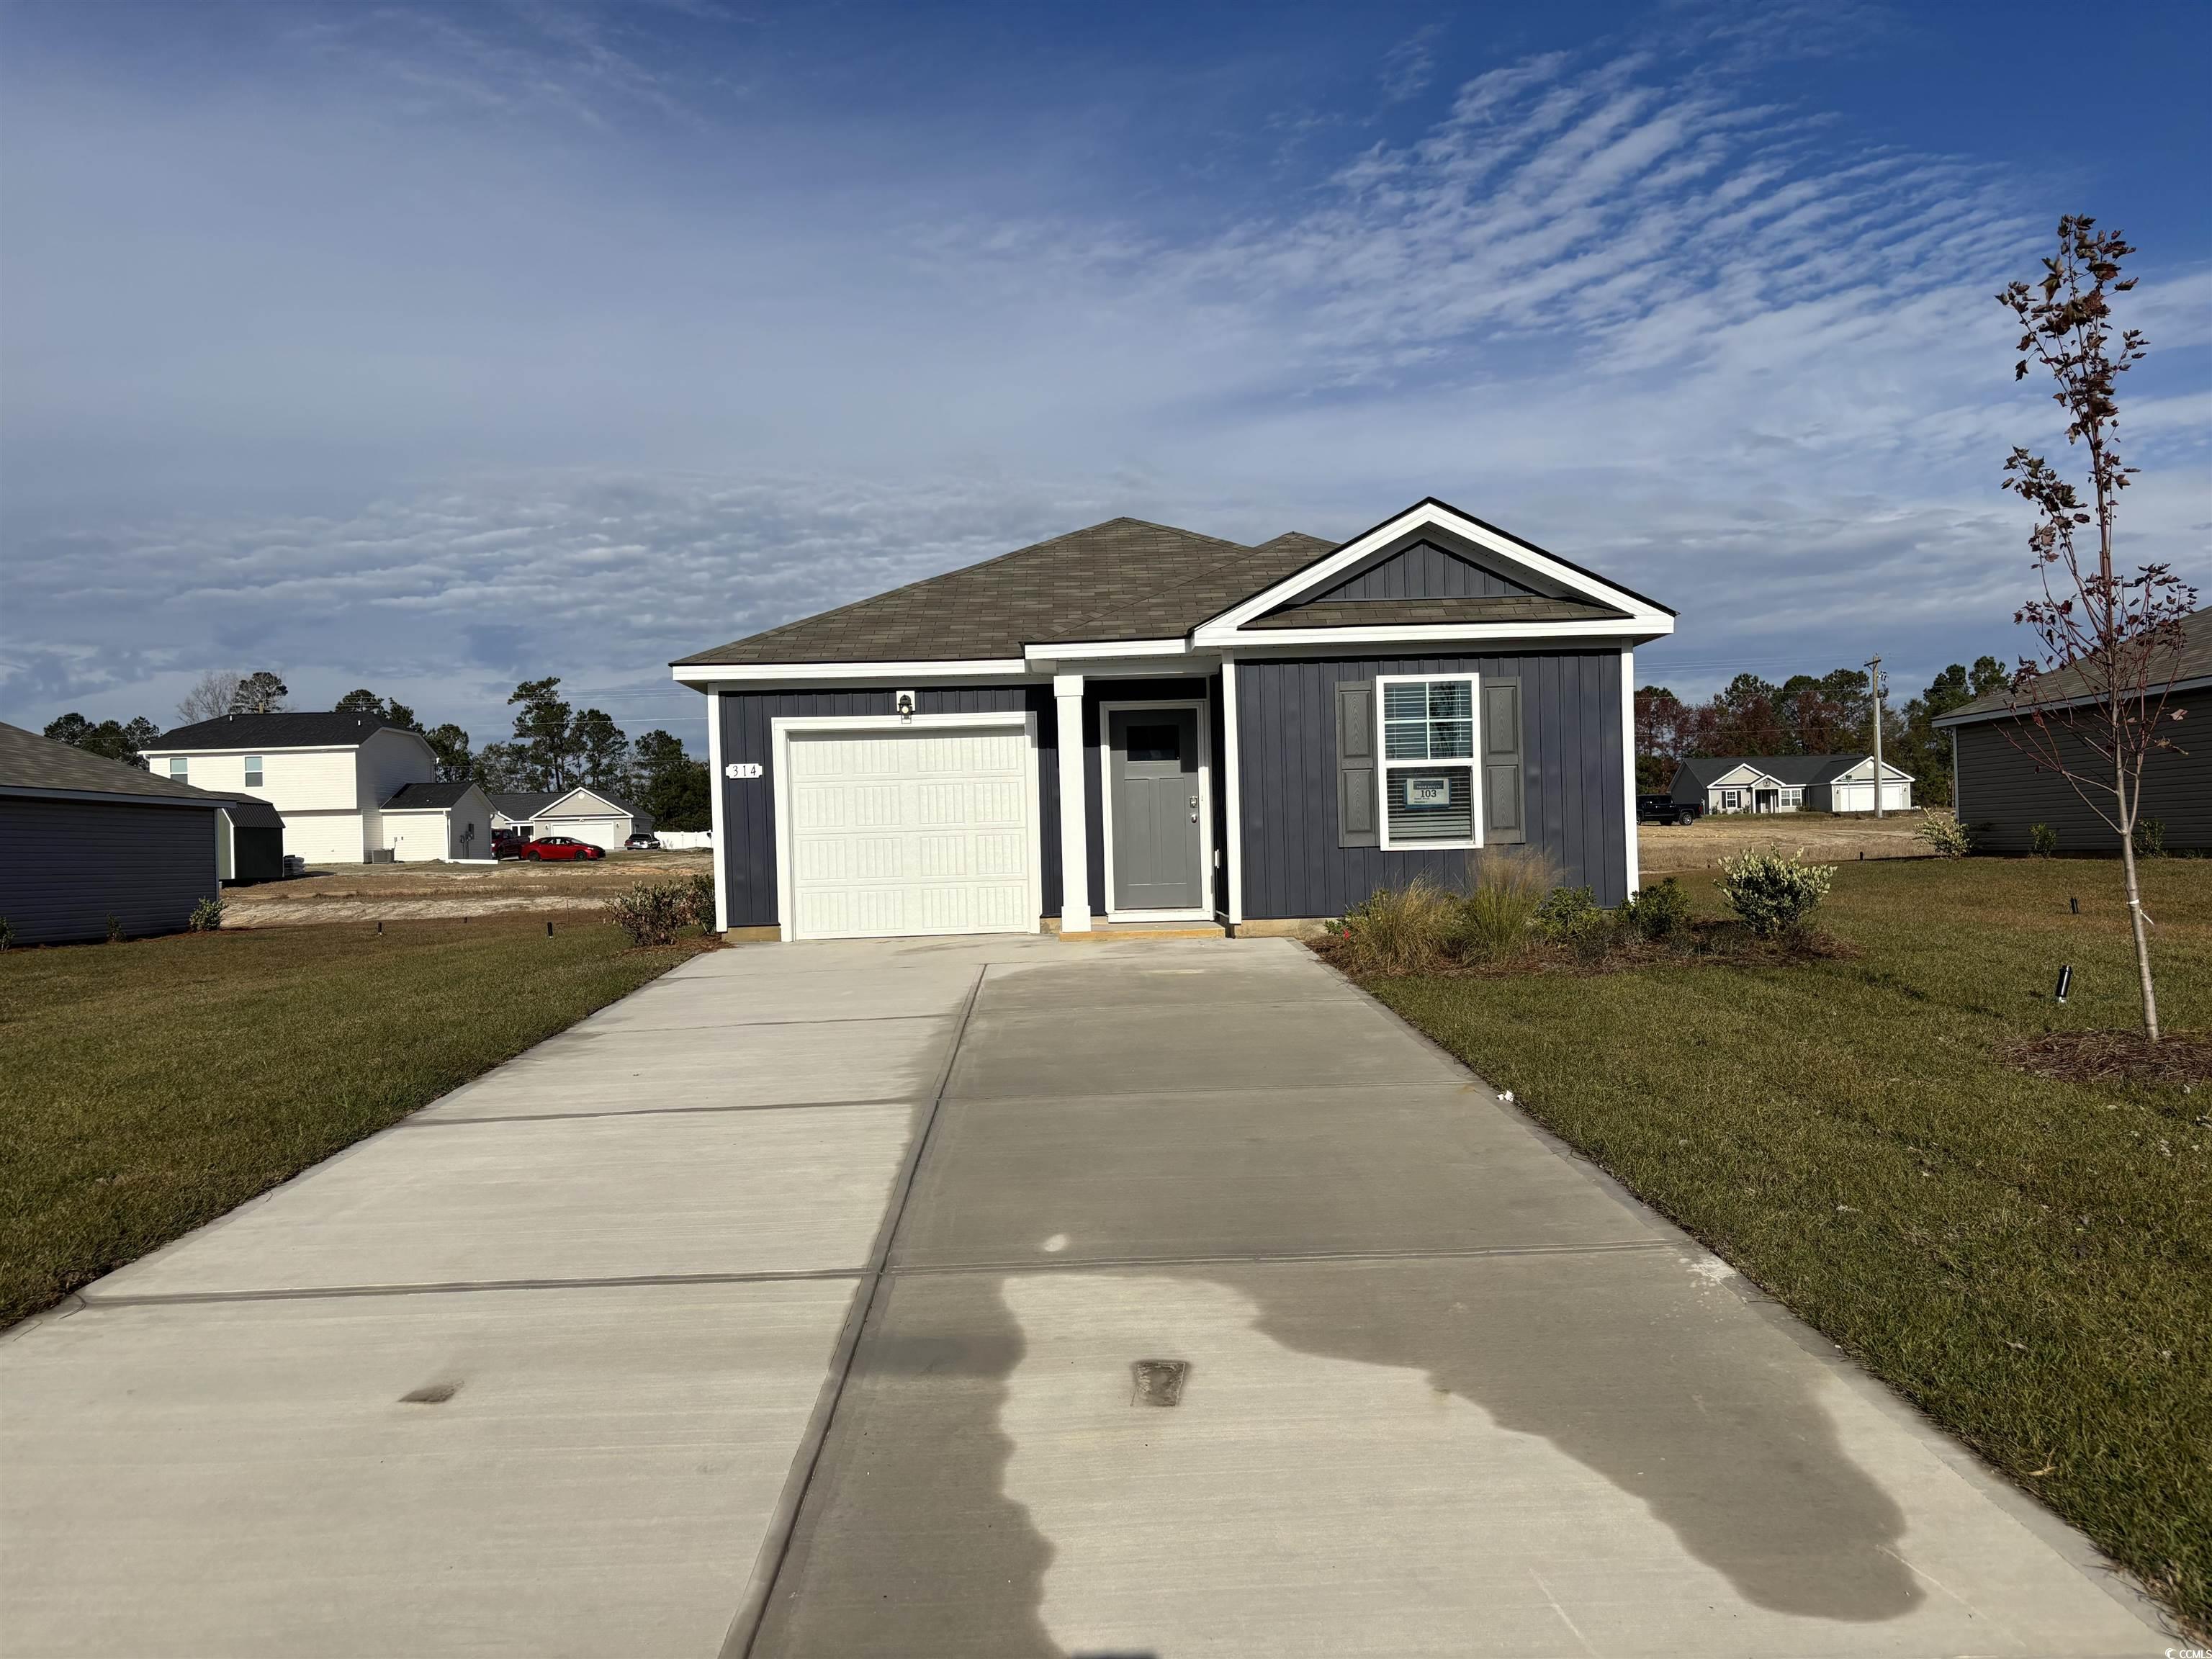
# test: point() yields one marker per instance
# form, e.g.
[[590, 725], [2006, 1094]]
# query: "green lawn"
[[150, 1086], [2029, 1261]]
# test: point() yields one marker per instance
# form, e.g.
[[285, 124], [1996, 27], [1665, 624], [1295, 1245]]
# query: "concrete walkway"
[[797, 1305]]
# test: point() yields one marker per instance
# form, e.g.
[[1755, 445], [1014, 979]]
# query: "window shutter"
[[1505, 816], [1355, 765]]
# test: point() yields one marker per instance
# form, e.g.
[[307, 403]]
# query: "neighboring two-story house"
[[350, 786]]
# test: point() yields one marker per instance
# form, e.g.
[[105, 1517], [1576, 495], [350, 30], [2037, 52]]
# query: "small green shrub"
[[1773, 893], [2044, 839], [7, 935], [207, 915], [1660, 911], [1399, 930], [2150, 838], [653, 913], [1506, 888], [114, 929], [1566, 911], [701, 898], [1946, 837]]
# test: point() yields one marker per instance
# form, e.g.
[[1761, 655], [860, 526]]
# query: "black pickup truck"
[[1665, 809]]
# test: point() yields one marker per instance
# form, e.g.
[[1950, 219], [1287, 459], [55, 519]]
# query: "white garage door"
[[900, 832]]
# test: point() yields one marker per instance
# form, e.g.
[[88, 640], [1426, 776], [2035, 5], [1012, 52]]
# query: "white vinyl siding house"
[[581, 813], [328, 774]]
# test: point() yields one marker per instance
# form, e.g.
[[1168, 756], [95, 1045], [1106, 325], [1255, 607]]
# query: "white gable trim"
[[1741, 775], [1642, 617]]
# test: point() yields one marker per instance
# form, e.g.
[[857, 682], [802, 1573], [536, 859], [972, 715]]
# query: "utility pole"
[[1874, 686]]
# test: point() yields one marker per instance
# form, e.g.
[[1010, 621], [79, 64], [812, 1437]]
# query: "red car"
[[556, 848]]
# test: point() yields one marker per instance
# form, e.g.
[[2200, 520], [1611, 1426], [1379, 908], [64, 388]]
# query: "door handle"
[[1194, 801]]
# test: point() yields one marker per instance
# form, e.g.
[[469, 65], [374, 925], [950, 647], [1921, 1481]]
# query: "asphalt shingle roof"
[[1124, 579], [253, 733], [411, 795], [525, 805], [29, 761], [2194, 663]]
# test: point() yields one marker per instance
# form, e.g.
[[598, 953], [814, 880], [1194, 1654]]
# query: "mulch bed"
[[2115, 1057], [1703, 943]]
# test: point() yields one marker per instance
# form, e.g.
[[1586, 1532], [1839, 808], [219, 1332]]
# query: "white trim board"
[[1203, 911], [702, 674], [781, 728], [1642, 617]]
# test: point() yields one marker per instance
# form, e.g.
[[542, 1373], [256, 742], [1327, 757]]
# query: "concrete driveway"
[[827, 1299]]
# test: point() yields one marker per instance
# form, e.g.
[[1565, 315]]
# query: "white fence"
[[685, 841]]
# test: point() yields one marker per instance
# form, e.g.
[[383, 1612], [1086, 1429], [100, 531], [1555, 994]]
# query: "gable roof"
[[1124, 579], [2192, 668], [596, 793], [33, 765], [253, 733], [410, 796], [1133, 584], [524, 803]]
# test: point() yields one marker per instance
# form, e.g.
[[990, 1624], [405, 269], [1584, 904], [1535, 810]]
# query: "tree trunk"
[[2134, 901]]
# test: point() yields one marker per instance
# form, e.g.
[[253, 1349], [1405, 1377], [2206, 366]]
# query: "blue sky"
[[430, 349]]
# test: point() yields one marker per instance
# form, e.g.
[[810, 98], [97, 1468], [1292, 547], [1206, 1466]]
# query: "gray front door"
[[1153, 761]]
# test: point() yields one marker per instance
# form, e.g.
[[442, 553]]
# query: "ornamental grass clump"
[[1398, 930], [1506, 890], [207, 915], [1772, 893]]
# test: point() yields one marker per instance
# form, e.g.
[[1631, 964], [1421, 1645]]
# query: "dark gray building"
[[1134, 723], [2005, 787], [83, 839]]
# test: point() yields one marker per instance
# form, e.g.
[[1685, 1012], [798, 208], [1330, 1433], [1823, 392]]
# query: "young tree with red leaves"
[[2092, 702]]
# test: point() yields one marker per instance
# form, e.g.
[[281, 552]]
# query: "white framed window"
[[1793, 798], [1731, 801], [1428, 762], [253, 771], [178, 766]]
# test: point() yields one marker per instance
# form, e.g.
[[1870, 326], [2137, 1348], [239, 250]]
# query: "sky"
[[431, 348]]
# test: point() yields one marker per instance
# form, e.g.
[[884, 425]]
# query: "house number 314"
[[743, 769]]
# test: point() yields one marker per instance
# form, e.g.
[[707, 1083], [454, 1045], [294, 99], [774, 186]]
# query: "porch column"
[[1074, 842]]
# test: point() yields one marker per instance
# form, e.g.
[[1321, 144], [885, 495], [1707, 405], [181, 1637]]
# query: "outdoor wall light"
[[903, 702]]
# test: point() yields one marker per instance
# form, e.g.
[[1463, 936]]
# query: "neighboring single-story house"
[[1134, 723], [84, 839], [2003, 789], [584, 813], [1788, 783], [328, 774], [250, 841], [426, 822]]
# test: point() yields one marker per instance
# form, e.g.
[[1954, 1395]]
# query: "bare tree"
[[2092, 702], [209, 699]]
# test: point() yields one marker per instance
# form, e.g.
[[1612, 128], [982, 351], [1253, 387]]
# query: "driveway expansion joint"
[[420, 1121], [451, 1287], [1123, 1263]]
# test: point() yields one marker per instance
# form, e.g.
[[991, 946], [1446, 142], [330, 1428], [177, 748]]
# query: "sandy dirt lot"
[[396, 893], [1661, 846]]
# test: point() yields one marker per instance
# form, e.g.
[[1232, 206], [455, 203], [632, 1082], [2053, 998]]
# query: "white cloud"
[[433, 406]]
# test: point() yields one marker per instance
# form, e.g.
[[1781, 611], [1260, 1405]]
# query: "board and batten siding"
[[1572, 766], [745, 863], [2002, 794], [67, 866]]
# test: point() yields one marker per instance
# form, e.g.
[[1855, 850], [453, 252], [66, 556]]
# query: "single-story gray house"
[[1136, 723], [2004, 789], [582, 813], [84, 839], [1788, 783]]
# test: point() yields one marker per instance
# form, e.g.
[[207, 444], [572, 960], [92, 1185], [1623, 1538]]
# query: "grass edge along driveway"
[[153, 1085], [2029, 1261]]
